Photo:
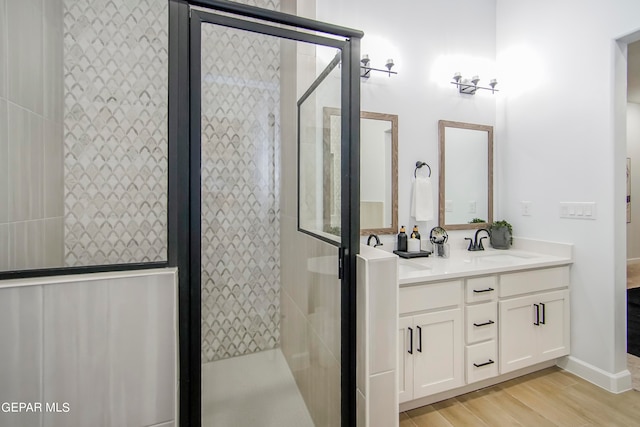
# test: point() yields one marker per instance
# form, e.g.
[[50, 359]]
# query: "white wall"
[[633, 152], [560, 133], [428, 43]]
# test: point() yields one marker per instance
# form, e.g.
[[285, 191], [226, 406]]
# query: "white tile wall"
[[53, 242], [3, 48], [106, 347], [76, 349], [25, 54], [142, 391], [21, 352], [53, 171], [26, 245], [53, 81], [25, 164], [4, 247], [4, 157]]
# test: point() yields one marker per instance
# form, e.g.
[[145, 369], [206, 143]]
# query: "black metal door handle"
[[488, 322], [419, 339], [537, 322], [479, 291], [483, 364], [544, 315], [410, 340]]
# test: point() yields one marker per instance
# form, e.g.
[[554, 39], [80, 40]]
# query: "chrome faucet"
[[474, 244], [378, 243]]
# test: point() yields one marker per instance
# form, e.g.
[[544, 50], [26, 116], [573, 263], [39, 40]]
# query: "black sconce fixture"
[[470, 87], [365, 69]]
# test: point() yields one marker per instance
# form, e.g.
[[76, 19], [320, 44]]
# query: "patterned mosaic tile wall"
[[240, 192], [115, 131]]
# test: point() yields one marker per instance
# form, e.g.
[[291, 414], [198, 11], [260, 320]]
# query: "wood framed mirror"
[[466, 175], [378, 171]]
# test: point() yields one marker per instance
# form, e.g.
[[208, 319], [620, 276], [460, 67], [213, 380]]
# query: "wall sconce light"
[[470, 87], [365, 69]]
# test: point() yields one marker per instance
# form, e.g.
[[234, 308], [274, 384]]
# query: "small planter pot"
[[500, 238]]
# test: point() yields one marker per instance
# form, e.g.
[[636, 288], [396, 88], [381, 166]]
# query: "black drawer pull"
[[479, 291], [544, 314], [419, 348], [489, 322], [410, 340], [484, 364], [537, 322]]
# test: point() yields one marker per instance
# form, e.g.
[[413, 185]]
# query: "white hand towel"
[[422, 199]]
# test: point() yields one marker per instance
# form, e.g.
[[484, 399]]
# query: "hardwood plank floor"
[[551, 397]]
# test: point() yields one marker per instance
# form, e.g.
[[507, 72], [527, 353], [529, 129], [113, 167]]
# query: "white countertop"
[[462, 263]]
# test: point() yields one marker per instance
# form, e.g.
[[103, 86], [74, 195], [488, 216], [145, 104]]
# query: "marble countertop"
[[462, 263]]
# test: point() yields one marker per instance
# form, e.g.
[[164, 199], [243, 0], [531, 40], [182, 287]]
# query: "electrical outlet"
[[472, 206], [448, 206], [526, 208]]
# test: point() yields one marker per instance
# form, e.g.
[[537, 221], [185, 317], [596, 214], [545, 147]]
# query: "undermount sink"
[[501, 257], [407, 267]]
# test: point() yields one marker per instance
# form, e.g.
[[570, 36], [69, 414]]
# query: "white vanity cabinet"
[[430, 345], [533, 327], [481, 328]]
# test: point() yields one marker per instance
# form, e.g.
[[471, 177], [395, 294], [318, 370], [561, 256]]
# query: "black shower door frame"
[[185, 109]]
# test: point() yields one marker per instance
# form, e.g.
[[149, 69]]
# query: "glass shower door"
[[271, 294]]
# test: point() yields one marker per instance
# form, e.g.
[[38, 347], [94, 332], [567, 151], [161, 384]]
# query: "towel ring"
[[420, 164]]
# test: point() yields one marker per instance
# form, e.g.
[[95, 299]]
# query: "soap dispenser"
[[402, 240], [415, 234]]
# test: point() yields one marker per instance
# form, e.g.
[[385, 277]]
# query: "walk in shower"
[[270, 290]]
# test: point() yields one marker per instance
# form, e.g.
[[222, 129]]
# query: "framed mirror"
[[378, 171], [466, 175]]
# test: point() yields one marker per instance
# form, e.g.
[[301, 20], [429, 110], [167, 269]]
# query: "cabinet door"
[[553, 333], [405, 358], [517, 328], [437, 357]]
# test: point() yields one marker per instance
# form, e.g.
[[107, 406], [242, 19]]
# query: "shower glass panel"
[[83, 133], [270, 295]]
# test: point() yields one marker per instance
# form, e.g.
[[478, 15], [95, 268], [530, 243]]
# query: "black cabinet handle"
[[544, 315], [419, 339], [479, 291], [537, 322], [489, 322], [483, 364], [410, 340]]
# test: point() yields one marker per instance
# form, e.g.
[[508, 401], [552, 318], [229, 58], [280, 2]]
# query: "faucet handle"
[[480, 247], [471, 247]]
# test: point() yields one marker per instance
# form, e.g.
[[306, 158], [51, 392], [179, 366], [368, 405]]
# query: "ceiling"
[[633, 72]]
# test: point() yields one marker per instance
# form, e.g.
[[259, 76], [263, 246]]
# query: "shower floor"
[[253, 390]]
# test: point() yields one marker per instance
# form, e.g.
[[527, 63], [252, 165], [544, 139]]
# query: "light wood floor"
[[633, 275], [551, 397]]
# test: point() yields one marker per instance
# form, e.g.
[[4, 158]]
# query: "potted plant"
[[501, 235]]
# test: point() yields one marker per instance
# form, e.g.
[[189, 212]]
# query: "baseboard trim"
[[633, 261], [428, 400], [615, 383]]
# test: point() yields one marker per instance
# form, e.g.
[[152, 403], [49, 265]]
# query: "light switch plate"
[[578, 210]]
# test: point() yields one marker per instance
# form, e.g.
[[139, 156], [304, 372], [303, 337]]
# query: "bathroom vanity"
[[479, 318]]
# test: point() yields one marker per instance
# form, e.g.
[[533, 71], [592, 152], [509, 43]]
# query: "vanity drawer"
[[481, 361], [480, 289], [533, 281], [430, 296], [481, 322]]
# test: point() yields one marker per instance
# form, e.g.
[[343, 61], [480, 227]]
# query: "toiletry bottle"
[[415, 234], [402, 240]]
